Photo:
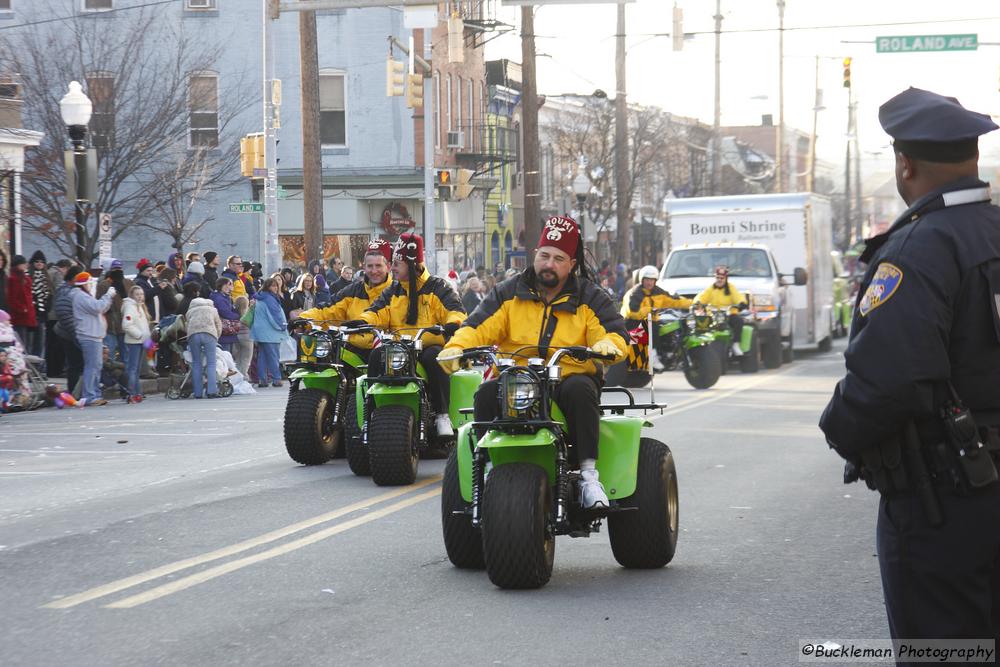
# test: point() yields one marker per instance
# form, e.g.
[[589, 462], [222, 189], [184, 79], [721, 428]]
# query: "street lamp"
[[76, 109], [581, 186]]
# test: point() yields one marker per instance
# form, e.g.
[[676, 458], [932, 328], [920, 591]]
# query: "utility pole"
[[312, 161], [847, 176], [817, 103], [430, 133], [779, 150], [529, 125], [623, 204], [271, 93], [858, 211], [716, 122]]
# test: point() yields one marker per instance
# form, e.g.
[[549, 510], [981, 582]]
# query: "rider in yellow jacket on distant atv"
[[646, 296], [721, 294]]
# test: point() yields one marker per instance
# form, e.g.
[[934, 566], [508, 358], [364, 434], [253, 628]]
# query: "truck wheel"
[[310, 434], [750, 361], [703, 368], [771, 350], [788, 353], [826, 344], [646, 537], [463, 543], [357, 454], [518, 542], [391, 451]]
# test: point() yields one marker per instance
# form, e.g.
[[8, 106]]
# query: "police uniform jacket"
[[717, 297], [926, 313], [437, 304], [513, 315], [638, 302], [348, 303]]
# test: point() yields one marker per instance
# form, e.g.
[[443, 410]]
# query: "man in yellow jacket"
[[645, 297], [721, 294], [550, 305], [350, 302], [414, 301]]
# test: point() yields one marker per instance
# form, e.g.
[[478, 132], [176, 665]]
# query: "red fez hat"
[[561, 232], [380, 247]]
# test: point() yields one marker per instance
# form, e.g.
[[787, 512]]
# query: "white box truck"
[[764, 240]]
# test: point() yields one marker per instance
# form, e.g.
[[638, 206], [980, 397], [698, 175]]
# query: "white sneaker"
[[655, 359], [592, 493], [737, 350], [444, 428]]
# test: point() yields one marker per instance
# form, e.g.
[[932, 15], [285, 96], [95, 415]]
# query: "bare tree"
[[140, 82]]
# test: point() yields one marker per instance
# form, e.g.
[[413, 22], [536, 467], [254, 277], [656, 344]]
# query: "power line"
[[822, 27], [56, 19]]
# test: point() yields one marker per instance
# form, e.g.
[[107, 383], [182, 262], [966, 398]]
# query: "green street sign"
[[923, 43], [282, 194], [247, 207]]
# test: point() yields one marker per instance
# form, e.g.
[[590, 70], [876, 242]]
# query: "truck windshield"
[[701, 262]]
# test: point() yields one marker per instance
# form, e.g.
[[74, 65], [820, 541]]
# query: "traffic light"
[[847, 72], [442, 180], [677, 32], [395, 78], [415, 90], [463, 186], [252, 154]]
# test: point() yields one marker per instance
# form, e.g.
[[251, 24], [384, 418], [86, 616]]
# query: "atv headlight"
[[323, 347], [396, 359], [520, 394]]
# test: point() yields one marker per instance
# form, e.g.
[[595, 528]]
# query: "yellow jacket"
[[513, 315], [437, 303], [717, 297], [638, 302], [348, 303]]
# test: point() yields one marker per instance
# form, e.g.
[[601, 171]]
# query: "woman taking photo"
[[268, 330]]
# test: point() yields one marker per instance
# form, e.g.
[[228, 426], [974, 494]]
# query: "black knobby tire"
[[311, 437], [354, 449], [771, 350], [647, 537], [463, 543], [788, 353], [704, 368], [518, 543], [391, 446], [750, 361], [722, 349], [826, 344]]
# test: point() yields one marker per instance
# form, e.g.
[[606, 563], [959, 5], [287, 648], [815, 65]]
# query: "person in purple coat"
[[223, 301]]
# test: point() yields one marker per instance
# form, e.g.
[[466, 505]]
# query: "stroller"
[[181, 382], [22, 385]]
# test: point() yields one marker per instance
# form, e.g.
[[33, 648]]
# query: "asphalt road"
[[180, 533]]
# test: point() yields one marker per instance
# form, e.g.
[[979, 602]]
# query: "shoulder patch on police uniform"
[[883, 285]]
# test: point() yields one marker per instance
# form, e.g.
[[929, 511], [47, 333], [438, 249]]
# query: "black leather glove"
[[450, 328]]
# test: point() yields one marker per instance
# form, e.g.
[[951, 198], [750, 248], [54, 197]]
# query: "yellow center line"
[[225, 568], [170, 568]]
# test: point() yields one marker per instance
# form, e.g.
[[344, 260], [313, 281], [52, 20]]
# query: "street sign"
[[924, 43], [105, 223], [282, 193], [247, 207]]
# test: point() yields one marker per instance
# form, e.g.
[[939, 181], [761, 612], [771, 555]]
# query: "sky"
[[576, 48]]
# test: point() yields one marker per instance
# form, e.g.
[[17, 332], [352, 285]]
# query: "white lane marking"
[[79, 451], [219, 570], [34, 473], [170, 568]]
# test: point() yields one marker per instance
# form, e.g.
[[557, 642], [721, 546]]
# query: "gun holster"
[[882, 468]]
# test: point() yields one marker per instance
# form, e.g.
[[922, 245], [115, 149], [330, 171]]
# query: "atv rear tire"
[[392, 451], [647, 536], [357, 455], [311, 437], [463, 543], [750, 361], [518, 542], [704, 367]]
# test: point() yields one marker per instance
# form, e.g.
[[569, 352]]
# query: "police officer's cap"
[[928, 126]]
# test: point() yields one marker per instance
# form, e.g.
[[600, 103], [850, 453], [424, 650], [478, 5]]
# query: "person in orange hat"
[[91, 328]]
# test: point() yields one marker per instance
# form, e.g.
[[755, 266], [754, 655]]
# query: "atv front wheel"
[[704, 367], [463, 543], [518, 542], [391, 451], [311, 437], [646, 537]]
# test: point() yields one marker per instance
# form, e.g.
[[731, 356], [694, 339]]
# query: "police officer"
[[924, 348]]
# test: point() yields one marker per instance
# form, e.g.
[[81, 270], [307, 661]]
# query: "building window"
[[5, 5], [199, 4], [203, 110], [97, 5], [458, 109], [101, 91], [447, 114], [332, 109], [437, 109]]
